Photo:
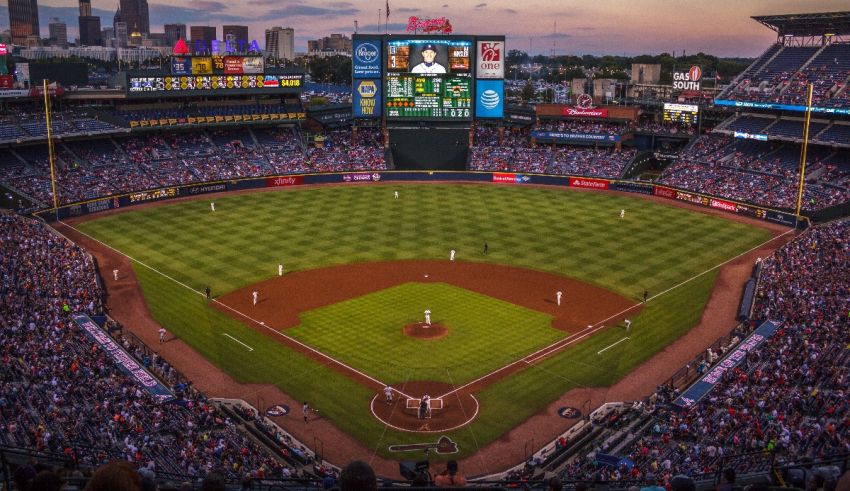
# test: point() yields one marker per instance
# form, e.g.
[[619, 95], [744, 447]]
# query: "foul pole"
[[805, 147], [50, 153]]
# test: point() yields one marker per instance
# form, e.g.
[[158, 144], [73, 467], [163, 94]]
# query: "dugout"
[[427, 147]]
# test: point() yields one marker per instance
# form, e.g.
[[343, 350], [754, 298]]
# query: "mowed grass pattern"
[[484, 333], [575, 234]]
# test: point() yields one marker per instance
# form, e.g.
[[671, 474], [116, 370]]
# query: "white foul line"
[[240, 342], [611, 346]]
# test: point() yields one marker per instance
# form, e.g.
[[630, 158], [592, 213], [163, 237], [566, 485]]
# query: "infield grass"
[[574, 234]]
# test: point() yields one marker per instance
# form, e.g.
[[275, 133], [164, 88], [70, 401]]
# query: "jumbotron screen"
[[681, 113], [429, 79]]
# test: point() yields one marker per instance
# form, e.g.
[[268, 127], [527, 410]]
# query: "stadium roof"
[[819, 24]]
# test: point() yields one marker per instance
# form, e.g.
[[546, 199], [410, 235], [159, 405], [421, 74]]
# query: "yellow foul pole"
[[50, 154], [805, 147]]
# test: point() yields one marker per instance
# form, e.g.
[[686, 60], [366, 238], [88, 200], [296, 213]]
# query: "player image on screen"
[[429, 65]]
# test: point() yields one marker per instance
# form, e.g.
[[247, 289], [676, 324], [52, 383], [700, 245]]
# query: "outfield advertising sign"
[[781, 107], [704, 385], [283, 181], [366, 58], [510, 178], [366, 101], [490, 99], [583, 182], [562, 136]]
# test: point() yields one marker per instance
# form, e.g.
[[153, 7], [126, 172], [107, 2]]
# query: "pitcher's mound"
[[420, 330]]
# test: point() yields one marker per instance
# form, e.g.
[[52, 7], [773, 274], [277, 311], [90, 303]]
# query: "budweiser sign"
[[584, 113]]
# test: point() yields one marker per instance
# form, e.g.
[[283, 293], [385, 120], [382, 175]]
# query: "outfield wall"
[[507, 178]]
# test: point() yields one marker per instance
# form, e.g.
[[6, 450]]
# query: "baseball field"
[[361, 268]]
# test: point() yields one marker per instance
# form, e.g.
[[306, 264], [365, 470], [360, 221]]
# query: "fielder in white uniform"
[[558, 297], [255, 294], [115, 274], [428, 316], [388, 394], [622, 213], [628, 324], [395, 194], [280, 269], [161, 335], [452, 255], [212, 206], [428, 65]]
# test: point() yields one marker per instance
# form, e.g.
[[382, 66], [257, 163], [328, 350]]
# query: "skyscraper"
[[201, 37], [237, 36], [23, 20], [58, 32], [90, 34], [280, 43], [173, 32], [135, 14]]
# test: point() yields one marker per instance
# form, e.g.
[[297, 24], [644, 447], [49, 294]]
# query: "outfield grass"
[[484, 333], [570, 233]]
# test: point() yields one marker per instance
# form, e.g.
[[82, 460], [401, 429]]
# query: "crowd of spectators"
[[762, 173], [788, 398], [62, 394], [582, 126], [515, 153], [668, 128], [110, 166]]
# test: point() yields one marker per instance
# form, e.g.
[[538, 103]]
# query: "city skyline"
[[618, 27]]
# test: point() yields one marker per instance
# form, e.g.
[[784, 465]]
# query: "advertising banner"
[[366, 58], [510, 178], [123, 360], [703, 386], [366, 101], [583, 182], [7, 81], [750, 136], [233, 65], [283, 181], [584, 113], [664, 192], [491, 59], [490, 99], [689, 80], [202, 65], [723, 205], [181, 65], [252, 65], [563, 136], [632, 187], [782, 107]]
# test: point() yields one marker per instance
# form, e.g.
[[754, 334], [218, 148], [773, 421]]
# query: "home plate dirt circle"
[[448, 412], [420, 330]]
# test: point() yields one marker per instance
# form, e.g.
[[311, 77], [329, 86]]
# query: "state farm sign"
[[584, 113], [579, 182], [491, 59]]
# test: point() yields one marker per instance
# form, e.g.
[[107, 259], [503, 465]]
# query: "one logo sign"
[[444, 445], [490, 99], [491, 59], [277, 410], [569, 412], [366, 53], [584, 101]]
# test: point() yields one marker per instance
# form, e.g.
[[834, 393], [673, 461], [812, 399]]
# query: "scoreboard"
[[429, 79], [681, 113]]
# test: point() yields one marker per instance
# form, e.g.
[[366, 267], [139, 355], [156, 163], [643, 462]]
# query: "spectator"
[[449, 477], [358, 476], [115, 476]]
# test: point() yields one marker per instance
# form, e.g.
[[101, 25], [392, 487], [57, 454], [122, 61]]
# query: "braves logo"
[[584, 101], [569, 412], [491, 52]]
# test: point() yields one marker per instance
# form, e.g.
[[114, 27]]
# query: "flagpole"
[[379, 20]]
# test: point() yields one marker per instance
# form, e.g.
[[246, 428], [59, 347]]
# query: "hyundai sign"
[[366, 58], [489, 99]]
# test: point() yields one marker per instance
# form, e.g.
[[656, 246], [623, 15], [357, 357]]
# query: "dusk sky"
[[720, 27]]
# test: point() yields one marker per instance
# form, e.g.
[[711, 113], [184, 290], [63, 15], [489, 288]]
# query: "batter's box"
[[433, 404]]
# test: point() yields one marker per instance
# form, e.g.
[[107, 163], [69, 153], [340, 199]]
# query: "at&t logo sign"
[[366, 53], [490, 99]]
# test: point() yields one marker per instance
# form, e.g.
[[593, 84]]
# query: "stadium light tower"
[[805, 146]]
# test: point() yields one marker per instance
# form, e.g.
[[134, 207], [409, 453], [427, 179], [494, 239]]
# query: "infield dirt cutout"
[[282, 299]]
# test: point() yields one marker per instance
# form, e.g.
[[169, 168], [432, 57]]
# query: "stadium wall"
[[505, 178]]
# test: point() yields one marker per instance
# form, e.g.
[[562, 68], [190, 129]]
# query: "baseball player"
[[645, 295], [628, 324], [115, 274], [212, 206], [208, 292], [306, 410], [558, 297], [428, 316], [255, 294], [622, 214], [395, 194], [161, 335], [452, 255], [388, 394], [486, 247], [280, 269], [428, 65]]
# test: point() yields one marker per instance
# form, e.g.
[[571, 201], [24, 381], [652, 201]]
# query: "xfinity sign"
[[366, 59], [689, 80]]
